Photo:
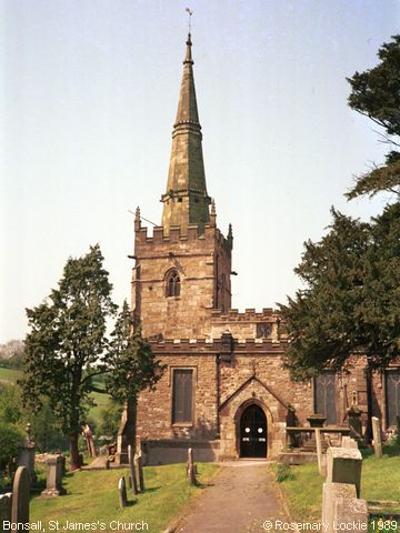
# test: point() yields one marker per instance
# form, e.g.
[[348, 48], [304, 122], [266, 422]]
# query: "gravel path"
[[242, 497]]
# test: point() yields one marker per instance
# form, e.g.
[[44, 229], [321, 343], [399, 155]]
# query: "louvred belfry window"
[[173, 284], [182, 396]]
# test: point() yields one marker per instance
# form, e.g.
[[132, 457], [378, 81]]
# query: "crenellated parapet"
[[250, 324], [177, 234], [234, 315], [212, 347]]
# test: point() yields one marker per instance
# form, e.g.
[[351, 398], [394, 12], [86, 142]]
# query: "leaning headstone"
[[123, 499], [344, 466], [20, 498], [54, 476], [133, 480], [139, 466], [376, 435], [5, 508]]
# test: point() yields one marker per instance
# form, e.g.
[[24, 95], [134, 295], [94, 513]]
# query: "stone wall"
[[195, 257], [244, 325], [156, 452], [224, 384], [154, 419]]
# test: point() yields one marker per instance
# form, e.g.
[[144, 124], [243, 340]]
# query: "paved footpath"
[[240, 499]]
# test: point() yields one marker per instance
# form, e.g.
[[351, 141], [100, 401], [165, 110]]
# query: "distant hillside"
[[10, 375]]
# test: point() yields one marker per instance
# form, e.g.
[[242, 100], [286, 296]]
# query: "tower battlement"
[[249, 315], [176, 234], [215, 346]]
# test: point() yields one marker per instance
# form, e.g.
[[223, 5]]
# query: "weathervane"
[[190, 12]]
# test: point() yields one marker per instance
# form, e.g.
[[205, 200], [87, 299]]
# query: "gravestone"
[[344, 466], [133, 479], [376, 435], [63, 465], [88, 434], [319, 451], [354, 416], [139, 466], [27, 455], [54, 476], [123, 499], [20, 497], [5, 508], [27, 459], [348, 442], [191, 469], [340, 505]]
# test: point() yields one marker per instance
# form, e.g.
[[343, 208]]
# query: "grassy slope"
[[102, 401], [380, 480], [93, 496], [8, 375]]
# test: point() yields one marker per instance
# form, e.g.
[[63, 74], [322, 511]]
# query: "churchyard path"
[[240, 500]]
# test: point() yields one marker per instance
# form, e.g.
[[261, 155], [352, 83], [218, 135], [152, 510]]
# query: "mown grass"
[[380, 480], [9, 375], [93, 496]]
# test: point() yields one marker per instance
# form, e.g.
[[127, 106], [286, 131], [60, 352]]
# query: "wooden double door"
[[253, 432]]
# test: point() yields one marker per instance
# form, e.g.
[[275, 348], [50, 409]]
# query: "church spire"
[[186, 200]]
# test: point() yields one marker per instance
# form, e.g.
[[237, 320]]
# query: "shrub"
[[45, 429], [283, 473], [11, 442], [10, 404]]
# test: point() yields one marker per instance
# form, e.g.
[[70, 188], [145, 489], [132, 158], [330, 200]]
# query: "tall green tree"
[[351, 297], [67, 344], [133, 366], [376, 94]]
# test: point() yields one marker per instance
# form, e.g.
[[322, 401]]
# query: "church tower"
[[182, 272], [186, 200]]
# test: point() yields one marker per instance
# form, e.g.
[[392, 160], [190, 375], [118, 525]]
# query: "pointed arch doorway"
[[253, 432]]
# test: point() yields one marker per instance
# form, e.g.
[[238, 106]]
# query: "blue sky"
[[88, 100]]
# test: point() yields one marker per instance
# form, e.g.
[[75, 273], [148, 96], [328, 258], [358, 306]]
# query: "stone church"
[[224, 391]]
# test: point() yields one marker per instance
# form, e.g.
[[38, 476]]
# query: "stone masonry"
[[234, 359]]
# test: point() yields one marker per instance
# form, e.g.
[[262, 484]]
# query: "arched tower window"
[[173, 284]]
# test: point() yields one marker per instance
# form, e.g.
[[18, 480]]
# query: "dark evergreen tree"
[[133, 366], [376, 94], [351, 297], [67, 344], [351, 300]]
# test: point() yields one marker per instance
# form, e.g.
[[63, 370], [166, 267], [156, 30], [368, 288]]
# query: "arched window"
[[173, 284]]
